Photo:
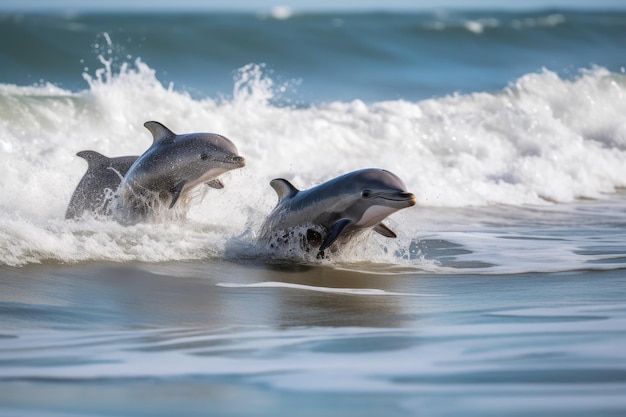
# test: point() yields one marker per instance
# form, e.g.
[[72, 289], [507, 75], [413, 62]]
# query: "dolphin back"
[[103, 176]]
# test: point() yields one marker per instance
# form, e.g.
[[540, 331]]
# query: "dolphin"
[[337, 210], [169, 169], [94, 191]]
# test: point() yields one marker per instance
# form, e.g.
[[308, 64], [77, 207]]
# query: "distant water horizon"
[[323, 6], [368, 55]]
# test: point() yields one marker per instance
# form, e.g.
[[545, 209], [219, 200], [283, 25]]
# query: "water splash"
[[542, 140]]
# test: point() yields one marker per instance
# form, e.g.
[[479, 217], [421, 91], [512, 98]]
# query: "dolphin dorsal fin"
[[92, 157], [160, 133], [283, 188]]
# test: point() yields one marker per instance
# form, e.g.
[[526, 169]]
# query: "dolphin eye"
[[204, 156], [366, 193]]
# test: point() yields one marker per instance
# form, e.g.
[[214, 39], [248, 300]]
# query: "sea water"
[[503, 293]]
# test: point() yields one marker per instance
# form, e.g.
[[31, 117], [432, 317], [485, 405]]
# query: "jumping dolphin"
[[170, 168], [339, 209], [94, 191]]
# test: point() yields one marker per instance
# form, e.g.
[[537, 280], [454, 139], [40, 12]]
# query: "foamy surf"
[[329, 290], [541, 140]]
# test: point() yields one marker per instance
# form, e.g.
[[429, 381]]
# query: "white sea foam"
[[543, 139], [281, 12], [543, 21], [478, 26], [346, 291]]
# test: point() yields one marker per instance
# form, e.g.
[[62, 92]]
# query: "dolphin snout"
[[409, 197], [240, 161], [402, 196], [400, 199], [405, 198]]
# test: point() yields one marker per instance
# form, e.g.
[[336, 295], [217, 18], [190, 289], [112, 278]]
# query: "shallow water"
[[498, 319], [109, 339]]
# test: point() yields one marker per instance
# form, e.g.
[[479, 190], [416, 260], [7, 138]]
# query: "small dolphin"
[[339, 209], [170, 168], [94, 191]]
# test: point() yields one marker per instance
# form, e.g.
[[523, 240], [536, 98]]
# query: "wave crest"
[[541, 140]]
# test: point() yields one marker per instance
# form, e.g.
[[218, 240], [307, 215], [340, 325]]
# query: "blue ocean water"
[[370, 56], [502, 295]]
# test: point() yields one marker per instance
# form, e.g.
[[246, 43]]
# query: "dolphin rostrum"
[[339, 209], [170, 169], [95, 190]]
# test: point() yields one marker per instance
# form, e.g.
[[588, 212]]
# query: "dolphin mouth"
[[237, 161], [401, 197], [240, 161]]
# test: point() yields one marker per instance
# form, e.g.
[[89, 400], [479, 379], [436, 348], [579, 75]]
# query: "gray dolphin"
[[339, 209], [170, 168], [94, 191]]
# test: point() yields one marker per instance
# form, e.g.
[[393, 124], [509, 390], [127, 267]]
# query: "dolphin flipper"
[[334, 232], [178, 188], [381, 229], [216, 183]]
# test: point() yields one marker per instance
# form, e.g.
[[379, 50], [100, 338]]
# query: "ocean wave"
[[444, 22], [331, 56], [542, 140]]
